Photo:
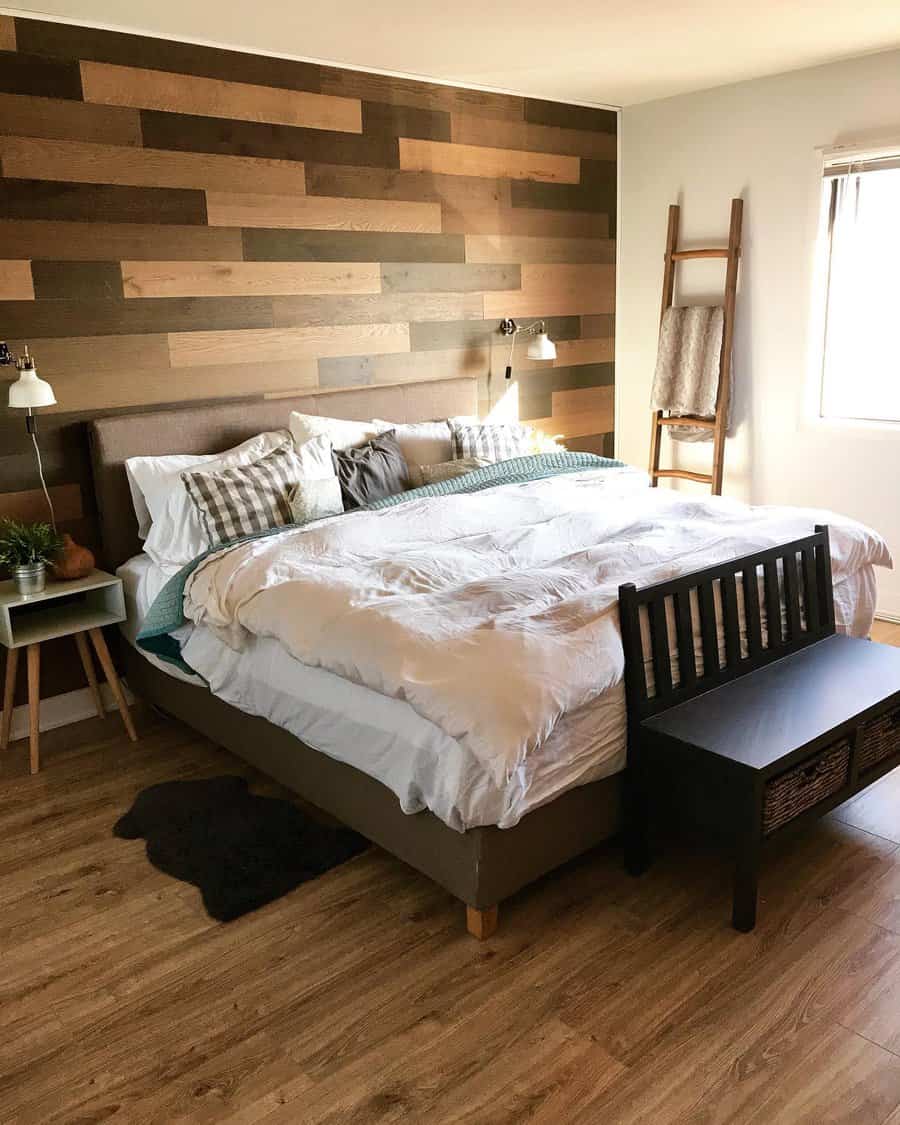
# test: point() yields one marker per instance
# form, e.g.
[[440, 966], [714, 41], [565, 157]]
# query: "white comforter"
[[492, 614]]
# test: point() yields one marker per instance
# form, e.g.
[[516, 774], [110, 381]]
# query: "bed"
[[418, 793]]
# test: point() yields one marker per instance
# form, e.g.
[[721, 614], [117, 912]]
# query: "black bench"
[[751, 743]]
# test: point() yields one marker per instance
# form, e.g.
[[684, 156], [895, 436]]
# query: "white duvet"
[[493, 614]]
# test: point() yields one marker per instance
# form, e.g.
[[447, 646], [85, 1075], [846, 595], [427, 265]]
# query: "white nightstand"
[[63, 609]]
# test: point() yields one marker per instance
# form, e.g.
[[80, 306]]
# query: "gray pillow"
[[371, 471]]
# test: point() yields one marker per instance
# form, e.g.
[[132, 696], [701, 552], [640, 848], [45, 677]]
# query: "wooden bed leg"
[[481, 923]]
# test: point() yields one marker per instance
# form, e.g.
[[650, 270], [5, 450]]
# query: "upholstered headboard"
[[212, 429]]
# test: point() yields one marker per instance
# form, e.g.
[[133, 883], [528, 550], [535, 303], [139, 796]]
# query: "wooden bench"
[[752, 739]]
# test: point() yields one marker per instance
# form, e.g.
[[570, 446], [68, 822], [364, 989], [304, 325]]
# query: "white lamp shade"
[[28, 391], [541, 347]]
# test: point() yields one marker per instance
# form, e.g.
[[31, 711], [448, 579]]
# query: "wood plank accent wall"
[[182, 223]]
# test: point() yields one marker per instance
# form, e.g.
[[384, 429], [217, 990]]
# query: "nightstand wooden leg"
[[88, 665], [34, 706], [9, 691], [112, 679]]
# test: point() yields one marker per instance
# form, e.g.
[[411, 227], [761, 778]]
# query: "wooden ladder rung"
[[683, 474], [713, 252], [689, 420]]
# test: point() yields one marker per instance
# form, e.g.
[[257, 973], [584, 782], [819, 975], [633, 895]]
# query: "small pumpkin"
[[73, 561]]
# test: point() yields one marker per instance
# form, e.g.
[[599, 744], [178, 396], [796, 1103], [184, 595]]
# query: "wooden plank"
[[525, 221], [70, 317], [512, 248], [81, 280], [31, 505], [265, 245], [91, 389], [450, 335], [578, 413], [244, 209], [290, 312], [22, 73], [470, 129], [183, 133], [427, 95], [7, 33], [120, 356], [394, 183], [557, 114], [214, 279], [599, 326], [37, 199], [416, 367], [57, 118], [405, 121], [572, 353], [556, 290], [15, 281], [74, 241], [211, 97], [477, 160], [192, 349], [67, 41], [78, 161], [447, 278], [598, 194]]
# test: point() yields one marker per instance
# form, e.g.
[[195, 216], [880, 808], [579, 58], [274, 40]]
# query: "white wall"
[[755, 139]]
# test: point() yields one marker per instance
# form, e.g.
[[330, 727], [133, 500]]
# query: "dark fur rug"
[[241, 850]]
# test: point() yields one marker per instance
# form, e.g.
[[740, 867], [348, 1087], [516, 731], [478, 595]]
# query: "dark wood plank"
[[379, 119], [58, 119], [541, 112], [82, 280], [601, 326], [426, 95], [441, 278], [396, 183], [562, 197], [89, 241], [33, 319], [810, 590], [773, 605], [265, 245], [791, 596], [65, 41], [709, 629], [42, 199], [464, 333], [22, 73], [730, 621], [750, 586], [186, 133]]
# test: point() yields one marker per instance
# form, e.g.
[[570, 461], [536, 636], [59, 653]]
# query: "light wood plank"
[[211, 97], [271, 345], [557, 290], [579, 413], [236, 209], [569, 353], [7, 33], [521, 248], [887, 632], [61, 356], [476, 160], [67, 120], [469, 129], [31, 505], [533, 221], [215, 279], [83, 162], [85, 389], [15, 281]]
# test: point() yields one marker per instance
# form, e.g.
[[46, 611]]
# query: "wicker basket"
[[878, 739], [792, 793]]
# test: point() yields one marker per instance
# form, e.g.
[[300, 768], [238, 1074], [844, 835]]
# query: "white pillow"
[[176, 535], [341, 433], [152, 479], [314, 498], [421, 443]]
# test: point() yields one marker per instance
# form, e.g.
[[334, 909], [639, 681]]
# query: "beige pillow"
[[445, 470]]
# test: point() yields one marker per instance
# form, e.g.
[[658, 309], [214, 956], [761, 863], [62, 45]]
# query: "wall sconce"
[[540, 346], [28, 393]]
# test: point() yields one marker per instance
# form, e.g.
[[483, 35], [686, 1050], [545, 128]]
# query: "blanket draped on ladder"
[[686, 380]]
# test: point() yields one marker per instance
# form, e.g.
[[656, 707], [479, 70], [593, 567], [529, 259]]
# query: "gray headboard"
[[212, 429]]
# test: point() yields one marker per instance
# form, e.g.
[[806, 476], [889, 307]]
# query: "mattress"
[[382, 736]]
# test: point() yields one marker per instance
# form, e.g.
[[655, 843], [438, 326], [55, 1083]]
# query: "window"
[[861, 347]]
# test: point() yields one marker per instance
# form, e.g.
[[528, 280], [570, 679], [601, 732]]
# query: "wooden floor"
[[359, 998]]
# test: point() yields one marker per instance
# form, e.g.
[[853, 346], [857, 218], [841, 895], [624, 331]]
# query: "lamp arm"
[[536, 326]]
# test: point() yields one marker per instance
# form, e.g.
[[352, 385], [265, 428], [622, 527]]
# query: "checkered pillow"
[[490, 442], [247, 498]]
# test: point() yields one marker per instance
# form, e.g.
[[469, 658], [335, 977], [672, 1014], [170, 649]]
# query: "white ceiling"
[[613, 52]]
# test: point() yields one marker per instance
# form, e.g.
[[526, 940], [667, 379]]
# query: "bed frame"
[[482, 866]]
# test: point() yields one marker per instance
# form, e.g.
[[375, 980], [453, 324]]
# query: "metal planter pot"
[[30, 579]]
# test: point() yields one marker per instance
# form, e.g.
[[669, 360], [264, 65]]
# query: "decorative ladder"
[[732, 254]]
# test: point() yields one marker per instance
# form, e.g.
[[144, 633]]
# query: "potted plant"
[[25, 549]]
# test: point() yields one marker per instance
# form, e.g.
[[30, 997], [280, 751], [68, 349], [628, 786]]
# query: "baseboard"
[[59, 710], [894, 618]]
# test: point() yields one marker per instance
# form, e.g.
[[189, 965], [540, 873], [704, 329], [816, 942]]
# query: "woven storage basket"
[[878, 739], [797, 790]]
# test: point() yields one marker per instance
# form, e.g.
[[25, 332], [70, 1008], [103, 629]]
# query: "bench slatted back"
[[784, 595]]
